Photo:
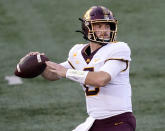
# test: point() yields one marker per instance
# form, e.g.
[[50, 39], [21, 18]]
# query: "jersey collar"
[[87, 57]]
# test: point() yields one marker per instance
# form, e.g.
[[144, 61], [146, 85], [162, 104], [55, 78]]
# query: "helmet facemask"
[[92, 36]]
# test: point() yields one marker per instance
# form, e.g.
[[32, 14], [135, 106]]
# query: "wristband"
[[76, 75]]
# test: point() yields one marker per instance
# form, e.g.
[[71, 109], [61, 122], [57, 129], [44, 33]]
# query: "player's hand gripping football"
[[56, 69], [29, 54], [31, 65]]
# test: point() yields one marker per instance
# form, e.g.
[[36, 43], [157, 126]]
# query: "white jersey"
[[115, 97]]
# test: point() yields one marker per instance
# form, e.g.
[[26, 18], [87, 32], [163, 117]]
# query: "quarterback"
[[101, 66]]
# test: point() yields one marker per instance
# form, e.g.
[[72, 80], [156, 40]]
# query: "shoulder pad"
[[119, 50]]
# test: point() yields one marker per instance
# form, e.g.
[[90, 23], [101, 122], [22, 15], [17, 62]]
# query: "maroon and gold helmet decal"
[[98, 13]]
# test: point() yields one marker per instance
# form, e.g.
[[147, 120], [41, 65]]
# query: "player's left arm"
[[106, 73], [98, 79]]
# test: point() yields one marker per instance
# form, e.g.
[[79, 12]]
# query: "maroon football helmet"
[[98, 14]]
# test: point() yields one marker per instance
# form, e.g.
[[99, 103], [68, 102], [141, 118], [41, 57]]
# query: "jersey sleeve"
[[117, 60], [122, 52], [72, 53], [66, 65], [113, 67]]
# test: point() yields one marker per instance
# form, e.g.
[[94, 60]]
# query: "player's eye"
[[99, 26]]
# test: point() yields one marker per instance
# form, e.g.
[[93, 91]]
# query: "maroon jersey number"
[[87, 91]]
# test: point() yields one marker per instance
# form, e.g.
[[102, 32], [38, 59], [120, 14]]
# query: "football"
[[31, 66]]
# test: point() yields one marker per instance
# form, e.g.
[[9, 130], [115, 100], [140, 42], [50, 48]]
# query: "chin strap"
[[81, 19], [82, 32]]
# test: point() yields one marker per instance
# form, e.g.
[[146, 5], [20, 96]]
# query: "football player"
[[102, 68]]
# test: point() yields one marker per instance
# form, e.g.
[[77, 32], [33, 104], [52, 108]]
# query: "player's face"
[[102, 30]]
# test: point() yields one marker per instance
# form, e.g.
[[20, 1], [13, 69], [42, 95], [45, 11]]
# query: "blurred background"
[[49, 26]]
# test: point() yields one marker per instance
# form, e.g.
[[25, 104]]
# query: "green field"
[[48, 26]]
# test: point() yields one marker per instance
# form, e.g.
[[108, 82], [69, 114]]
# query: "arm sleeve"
[[113, 67]]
